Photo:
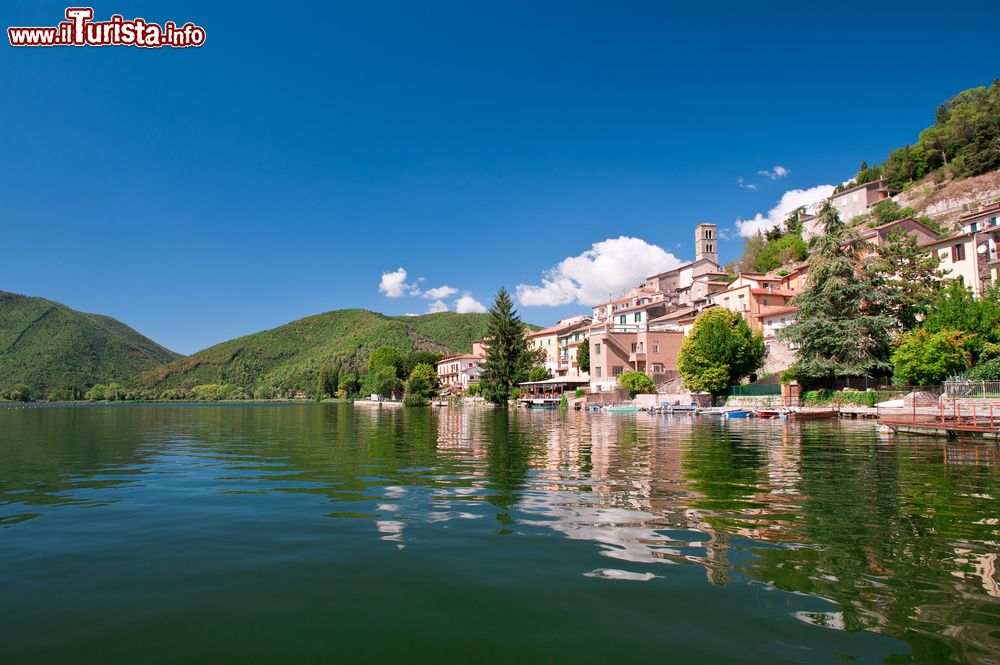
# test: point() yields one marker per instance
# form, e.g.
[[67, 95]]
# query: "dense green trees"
[[636, 382], [963, 141], [835, 332], [954, 308], [923, 358], [538, 373], [720, 350], [901, 281], [508, 358], [421, 385]]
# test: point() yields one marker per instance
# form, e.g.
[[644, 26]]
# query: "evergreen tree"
[[903, 279], [836, 334], [583, 356], [322, 383], [508, 359]]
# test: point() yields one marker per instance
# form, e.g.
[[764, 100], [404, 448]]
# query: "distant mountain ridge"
[[291, 356], [46, 345]]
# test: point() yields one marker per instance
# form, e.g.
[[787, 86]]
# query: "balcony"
[[637, 356]]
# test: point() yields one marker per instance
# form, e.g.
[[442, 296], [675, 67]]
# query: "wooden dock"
[[952, 420]]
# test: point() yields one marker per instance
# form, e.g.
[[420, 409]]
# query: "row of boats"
[[781, 414]]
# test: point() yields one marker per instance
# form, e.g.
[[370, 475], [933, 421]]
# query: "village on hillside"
[[642, 330]]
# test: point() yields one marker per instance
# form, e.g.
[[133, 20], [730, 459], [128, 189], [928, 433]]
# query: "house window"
[[657, 368], [550, 341], [597, 349], [597, 372], [958, 253], [638, 317], [622, 319], [616, 371], [974, 227], [633, 347], [656, 346]]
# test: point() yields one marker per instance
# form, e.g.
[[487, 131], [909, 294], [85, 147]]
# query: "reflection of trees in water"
[[53, 456], [902, 536]]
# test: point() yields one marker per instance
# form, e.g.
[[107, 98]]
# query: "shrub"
[[985, 371], [415, 400], [580, 392], [636, 382], [20, 393], [923, 358]]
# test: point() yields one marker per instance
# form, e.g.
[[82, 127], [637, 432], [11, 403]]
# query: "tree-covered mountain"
[[291, 356], [963, 141], [46, 345]]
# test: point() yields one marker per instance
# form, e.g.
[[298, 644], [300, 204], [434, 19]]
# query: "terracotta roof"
[[459, 356]]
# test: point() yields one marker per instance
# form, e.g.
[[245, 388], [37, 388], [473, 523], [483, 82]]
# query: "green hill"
[[47, 345], [291, 356]]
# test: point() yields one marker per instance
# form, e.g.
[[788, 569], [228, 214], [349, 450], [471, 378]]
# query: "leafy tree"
[[902, 280], [780, 251], [427, 375], [349, 384], [414, 358], [383, 381], [636, 382], [954, 308], [508, 358], [386, 356], [923, 358], [583, 356], [836, 335], [539, 373], [720, 350]]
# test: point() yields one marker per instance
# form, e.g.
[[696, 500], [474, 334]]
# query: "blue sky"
[[306, 150]]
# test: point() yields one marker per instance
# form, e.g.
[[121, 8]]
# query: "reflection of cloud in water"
[[614, 574]]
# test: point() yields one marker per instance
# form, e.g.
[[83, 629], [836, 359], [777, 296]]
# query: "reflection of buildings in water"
[[984, 570], [637, 499]]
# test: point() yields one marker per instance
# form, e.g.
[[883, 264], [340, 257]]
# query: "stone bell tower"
[[706, 243]]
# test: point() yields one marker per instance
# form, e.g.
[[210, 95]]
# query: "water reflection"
[[900, 537]]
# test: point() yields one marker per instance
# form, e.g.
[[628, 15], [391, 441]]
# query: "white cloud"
[[394, 285], [775, 173], [467, 304], [437, 306], [439, 292], [745, 185], [608, 267], [790, 200]]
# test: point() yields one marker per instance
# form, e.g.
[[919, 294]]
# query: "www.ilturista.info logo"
[[79, 29]]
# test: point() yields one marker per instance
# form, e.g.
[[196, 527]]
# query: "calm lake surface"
[[329, 533]]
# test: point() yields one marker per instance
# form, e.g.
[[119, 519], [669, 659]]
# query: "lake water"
[[328, 533]]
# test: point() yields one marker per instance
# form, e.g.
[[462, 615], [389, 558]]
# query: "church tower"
[[706, 243]]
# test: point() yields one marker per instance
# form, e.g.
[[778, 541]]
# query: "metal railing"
[[965, 389], [755, 390]]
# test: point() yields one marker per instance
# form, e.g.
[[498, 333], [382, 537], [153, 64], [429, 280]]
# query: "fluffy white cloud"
[[439, 292], [775, 173], [790, 200], [608, 267], [467, 304], [745, 185], [394, 285], [437, 306]]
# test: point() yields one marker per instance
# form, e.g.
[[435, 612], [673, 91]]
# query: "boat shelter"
[[549, 392]]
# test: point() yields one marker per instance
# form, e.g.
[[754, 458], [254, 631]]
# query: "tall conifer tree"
[[508, 359], [836, 332]]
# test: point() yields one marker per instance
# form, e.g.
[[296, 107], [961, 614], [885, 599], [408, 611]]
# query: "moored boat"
[[818, 414], [739, 413]]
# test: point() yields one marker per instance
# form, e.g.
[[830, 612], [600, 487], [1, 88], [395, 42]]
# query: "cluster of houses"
[[642, 330]]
